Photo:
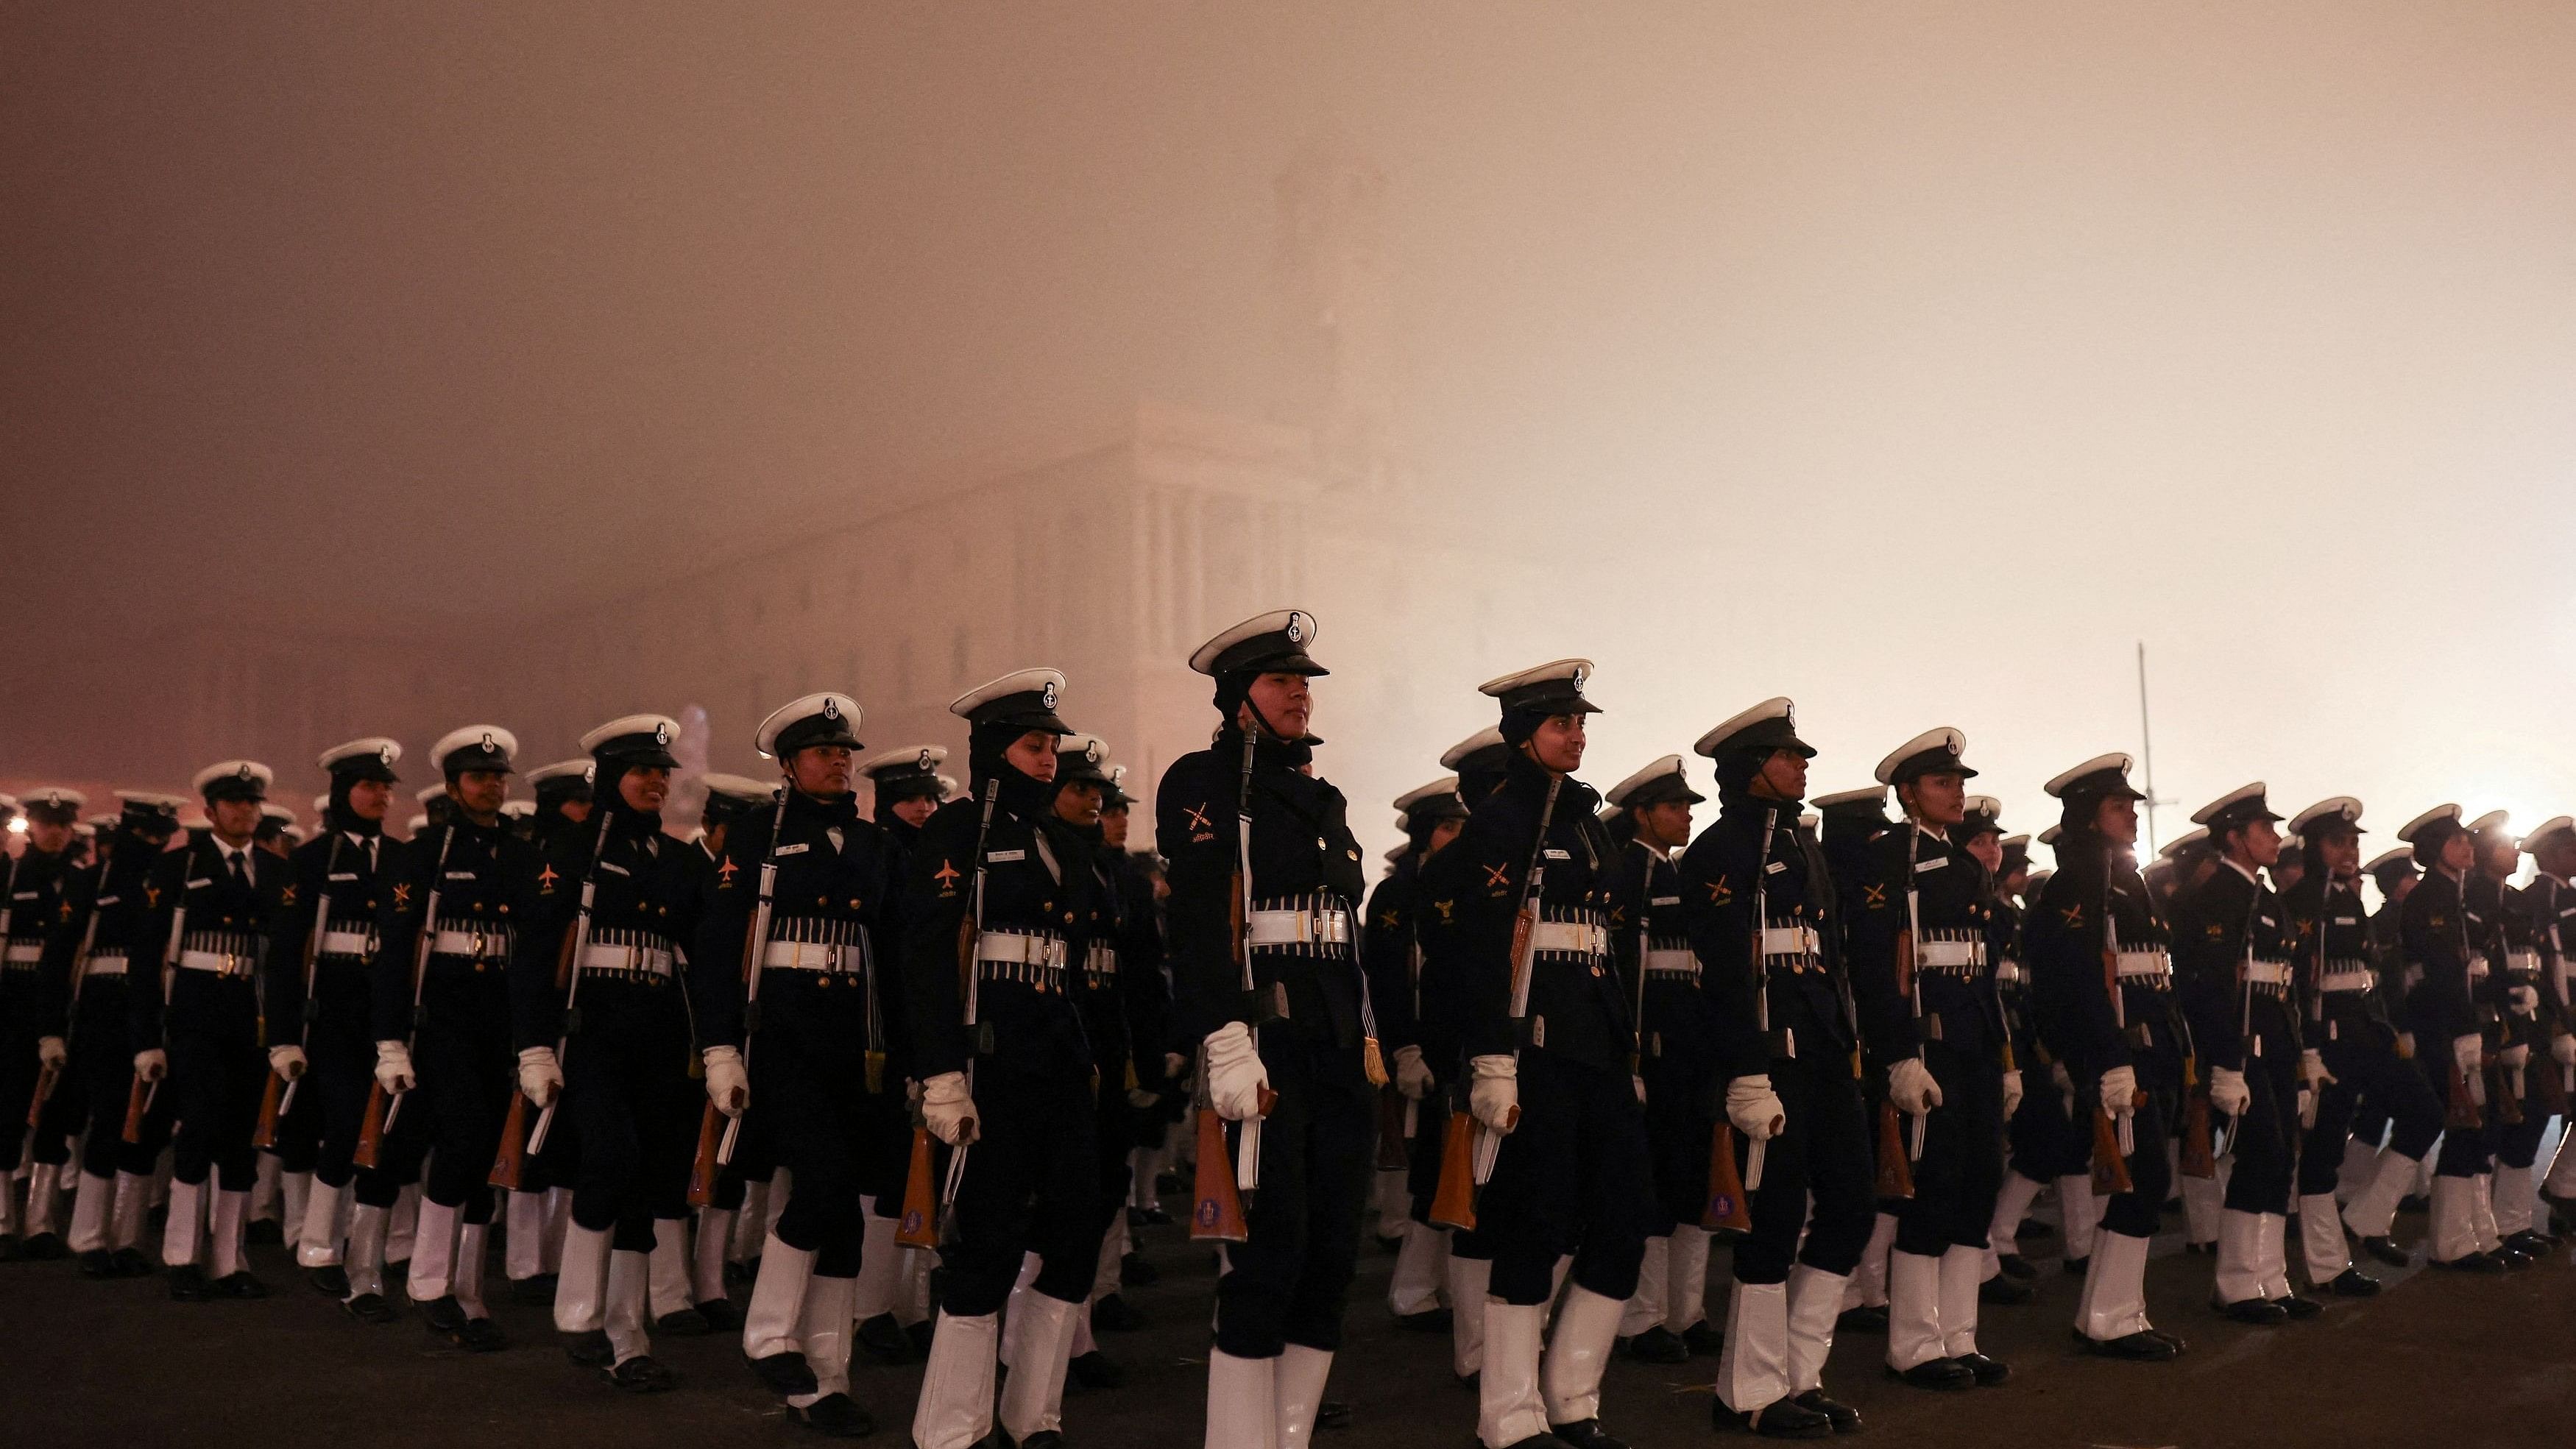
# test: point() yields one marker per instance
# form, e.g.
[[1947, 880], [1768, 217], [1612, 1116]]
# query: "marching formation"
[[913, 1076]]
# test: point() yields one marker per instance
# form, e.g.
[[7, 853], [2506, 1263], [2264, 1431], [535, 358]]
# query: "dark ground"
[[2436, 1360]]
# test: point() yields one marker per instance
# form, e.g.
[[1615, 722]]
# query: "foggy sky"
[[1912, 360]]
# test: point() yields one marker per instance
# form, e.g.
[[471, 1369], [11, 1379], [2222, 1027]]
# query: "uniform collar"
[[2229, 861]]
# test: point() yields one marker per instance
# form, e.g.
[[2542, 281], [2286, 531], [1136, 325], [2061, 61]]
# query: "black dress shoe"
[[1332, 1414], [837, 1415], [590, 1350], [1093, 1370], [2472, 1263], [1042, 1439], [783, 1374], [98, 1263], [641, 1375], [188, 1284], [2004, 1290], [480, 1335], [1845, 1418], [1155, 1217], [2353, 1283], [1706, 1339], [2075, 1267], [1429, 1320], [884, 1340], [686, 1323], [536, 1292], [330, 1280], [2144, 1346], [1587, 1434], [1135, 1272], [1114, 1314], [2014, 1265], [369, 1308], [130, 1263], [2514, 1259], [1987, 1372], [44, 1248], [720, 1314], [264, 1233], [2298, 1307], [1779, 1419], [1941, 1374], [246, 1284], [1863, 1319], [2172, 1338], [2385, 1250], [1656, 1345], [443, 1315], [2260, 1312], [2528, 1243]]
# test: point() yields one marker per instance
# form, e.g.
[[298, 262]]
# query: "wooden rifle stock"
[[2499, 1083], [370, 1150], [272, 1104], [1453, 1202], [1727, 1211], [1216, 1212], [1895, 1171], [2110, 1165], [2199, 1149], [510, 1164], [46, 1078], [2462, 1114], [702, 1168], [918, 1228], [138, 1104]]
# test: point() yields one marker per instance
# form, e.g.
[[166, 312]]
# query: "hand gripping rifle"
[[382, 1109], [2113, 1139], [138, 1098], [1489, 1143], [970, 976], [1909, 978], [277, 1098], [718, 1133], [1217, 1198], [518, 1139]]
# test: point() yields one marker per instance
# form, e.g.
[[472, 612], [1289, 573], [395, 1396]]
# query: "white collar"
[[2250, 878]]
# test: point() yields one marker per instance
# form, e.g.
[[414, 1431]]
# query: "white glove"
[[2119, 1090], [393, 1068], [539, 1075], [1754, 1108], [1140, 1099], [1236, 1076], [2515, 1057], [728, 1086], [1412, 1078], [2312, 1068], [151, 1064], [287, 1061], [946, 1109], [2228, 1092], [2307, 1106], [2468, 1051], [2563, 1047], [50, 1051], [1495, 1096], [1175, 1066], [2012, 1092], [1910, 1085], [2526, 999]]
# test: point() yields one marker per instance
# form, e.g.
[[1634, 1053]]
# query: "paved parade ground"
[[2436, 1360]]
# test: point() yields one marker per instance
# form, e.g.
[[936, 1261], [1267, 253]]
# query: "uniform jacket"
[[221, 913], [1754, 853], [1951, 900], [339, 883], [1577, 1009], [643, 894], [2065, 938], [482, 876]]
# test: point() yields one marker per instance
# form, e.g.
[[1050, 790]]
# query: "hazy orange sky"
[[1913, 360]]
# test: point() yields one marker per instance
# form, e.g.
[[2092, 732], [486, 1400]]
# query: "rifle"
[[970, 931], [1524, 949], [1909, 982], [718, 1133], [1728, 1209], [139, 1097], [1247, 1137], [568, 977], [278, 1094], [382, 1109], [2112, 1139], [71, 1011], [2199, 1152], [916, 1228]]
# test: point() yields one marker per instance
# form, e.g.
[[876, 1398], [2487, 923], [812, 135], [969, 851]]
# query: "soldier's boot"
[[431, 1281], [2203, 1208], [267, 1202], [1088, 1366], [1642, 1334], [1413, 1289], [43, 1241], [2454, 1241], [2276, 1269], [478, 1333], [1914, 1339], [183, 1234], [1510, 1413], [1242, 1402], [667, 1290], [581, 1296], [92, 1239], [402, 1228], [1301, 1373], [364, 1265], [1865, 1292], [1467, 1280], [769, 1326], [2482, 1214], [880, 1281], [623, 1317], [1815, 1301], [1032, 1407], [2322, 1250], [226, 1241], [2003, 1250], [2238, 1283], [2111, 1313], [294, 1194], [125, 1226], [955, 1410], [318, 1237], [2372, 1210], [706, 1269], [824, 1332], [1015, 1327], [1963, 1271], [1587, 1323], [2079, 1215], [1753, 1383], [1686, 1291]]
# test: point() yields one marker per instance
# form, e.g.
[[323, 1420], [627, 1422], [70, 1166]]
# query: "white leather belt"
[[2478, 968], [2525, 964], [1950, 955], [105, 963], [2267, 973], [2352, 978], [809, 956], [343, 943], [1570, 938], [1300, 928], [2143, 966], [1679, 963], [25, 953], [2008, 972], [222, 963], [467, 943], [1010, 948], [1788, 941], [635, 960]]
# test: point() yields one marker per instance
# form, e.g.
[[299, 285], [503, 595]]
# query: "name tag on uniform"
[[1775, 867], [2267, 920], [1553, 853], [2347, 921], [787, 850], [24, 896], [1663, 900], [1005, 857], [460, 875], [344, 875], [1935, 863], [205, 881]]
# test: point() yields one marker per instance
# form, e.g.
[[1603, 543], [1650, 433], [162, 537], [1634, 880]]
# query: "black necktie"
[[241, 876]]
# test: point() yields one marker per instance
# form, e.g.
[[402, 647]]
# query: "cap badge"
[[661, 733], [831, 707], [1091, 754], [243, 773], [924, 759], [1296, 629], [1580, 674], [488, 744], [1046, 695]]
